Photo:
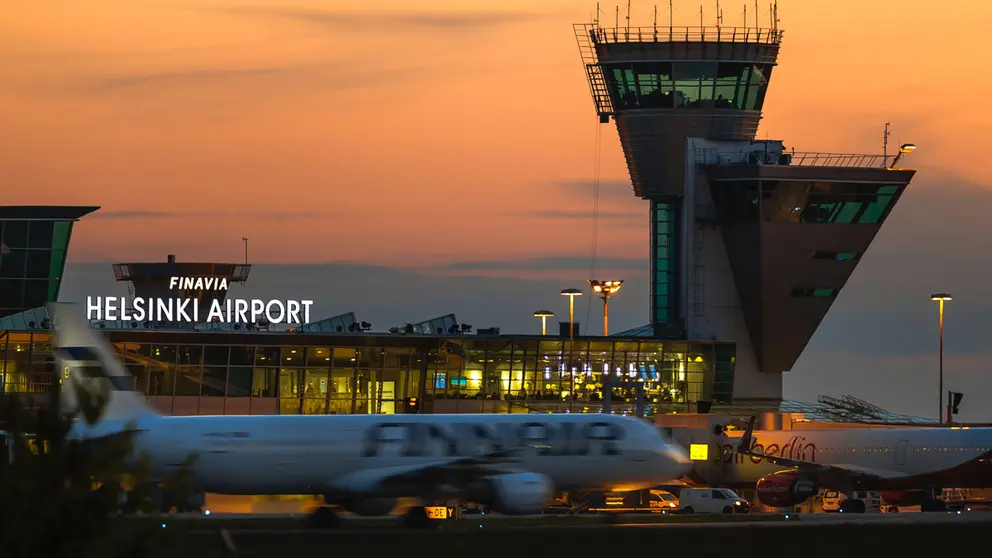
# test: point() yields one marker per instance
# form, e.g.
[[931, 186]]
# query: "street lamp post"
[[571, 294], [940, 298], [544, 315], [605, 289]]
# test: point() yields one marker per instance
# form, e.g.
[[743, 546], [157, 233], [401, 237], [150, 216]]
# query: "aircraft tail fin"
[[91, 371], [745, 444]]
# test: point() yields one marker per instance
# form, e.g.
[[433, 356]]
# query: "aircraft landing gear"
[[416, 518], [323, 517]]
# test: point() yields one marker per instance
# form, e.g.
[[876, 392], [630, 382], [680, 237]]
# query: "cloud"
[[140, 214], [613, 190], [362, 21], [131, 80], [556, 263], [625, 217], [330, 76]]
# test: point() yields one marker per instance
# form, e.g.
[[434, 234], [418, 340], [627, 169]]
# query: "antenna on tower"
[[745, 18], [628, 19], [757, 15], [775, 12], [719, 19], [771, 16], [885, 144], [656, 22], [701, 24], [671, 19], [616, 23], [596, 19]]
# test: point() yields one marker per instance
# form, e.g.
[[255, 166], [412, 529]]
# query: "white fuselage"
[[957, 453], [302, 454]]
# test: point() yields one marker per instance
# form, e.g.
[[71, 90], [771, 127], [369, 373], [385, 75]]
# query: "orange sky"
[[420, 131]]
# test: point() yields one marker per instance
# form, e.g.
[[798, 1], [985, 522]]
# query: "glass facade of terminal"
[[31, 263], [246, 373], [787, 201], [665, 259]]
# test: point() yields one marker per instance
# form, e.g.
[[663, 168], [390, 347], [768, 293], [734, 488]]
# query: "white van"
[[862, 502], [711, 500]]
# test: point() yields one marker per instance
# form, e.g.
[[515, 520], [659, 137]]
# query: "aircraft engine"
[[513, 493], [785, 489], [369, 507]]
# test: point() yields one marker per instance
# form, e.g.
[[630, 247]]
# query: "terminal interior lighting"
[[544, 315]]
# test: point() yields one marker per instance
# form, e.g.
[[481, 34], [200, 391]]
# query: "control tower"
[[155, 280], [749, 242]]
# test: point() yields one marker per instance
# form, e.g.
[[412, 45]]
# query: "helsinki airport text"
[[237, 310]]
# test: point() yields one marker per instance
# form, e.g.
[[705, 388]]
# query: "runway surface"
[[201, 524], [812, 535]]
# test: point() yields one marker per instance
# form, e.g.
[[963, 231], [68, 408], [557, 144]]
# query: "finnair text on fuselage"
[[235, 310], [421, 439], [198, 283]]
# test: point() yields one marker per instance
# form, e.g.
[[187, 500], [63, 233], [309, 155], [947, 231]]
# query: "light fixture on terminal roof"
[[903, 149], [544, 315], [604, 290]]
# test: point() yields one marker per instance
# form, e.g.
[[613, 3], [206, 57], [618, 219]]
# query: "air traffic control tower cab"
[[749, 241], [203, 282]]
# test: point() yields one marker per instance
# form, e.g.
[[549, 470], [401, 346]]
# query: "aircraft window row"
[[857, 450], [966, 449], [959, 449]]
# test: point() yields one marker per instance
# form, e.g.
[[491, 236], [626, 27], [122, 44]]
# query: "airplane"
[[907, 466], [364, 464]]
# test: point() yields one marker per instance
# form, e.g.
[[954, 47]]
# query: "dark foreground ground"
[[805, 537]]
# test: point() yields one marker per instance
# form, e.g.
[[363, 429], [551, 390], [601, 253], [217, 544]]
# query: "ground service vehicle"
[[637, 501], [711, 500], [862, 501]]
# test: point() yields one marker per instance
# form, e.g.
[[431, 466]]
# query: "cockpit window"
[[667, 497], [719, 495]]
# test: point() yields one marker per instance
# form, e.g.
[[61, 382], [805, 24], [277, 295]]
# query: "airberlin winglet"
[[745, 444]]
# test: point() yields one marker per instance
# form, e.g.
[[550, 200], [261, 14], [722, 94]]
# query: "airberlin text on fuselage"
[[423, 439], [796, 448]]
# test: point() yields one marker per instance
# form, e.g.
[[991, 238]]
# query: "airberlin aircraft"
[[364, 463], [906, 465]]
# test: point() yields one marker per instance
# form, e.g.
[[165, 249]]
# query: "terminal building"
[[750, 244]]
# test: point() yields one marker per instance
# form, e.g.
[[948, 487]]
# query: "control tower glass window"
[[757, 86], [654, 84], [694, 83], [689, 85], [731, 84]]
